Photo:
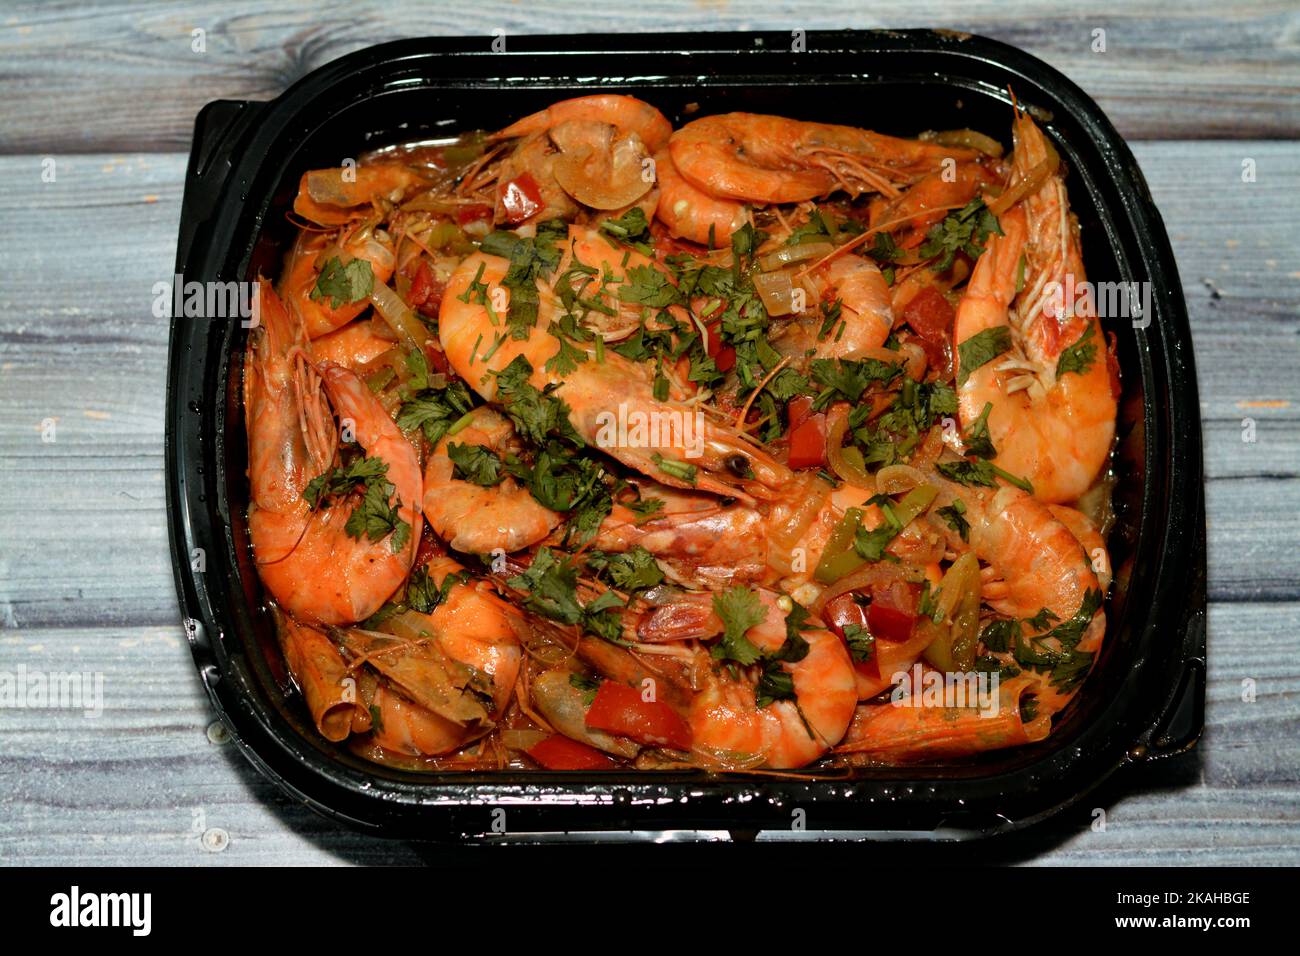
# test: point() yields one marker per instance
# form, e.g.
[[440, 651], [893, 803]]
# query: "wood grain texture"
[[124, 77], [85, 577]]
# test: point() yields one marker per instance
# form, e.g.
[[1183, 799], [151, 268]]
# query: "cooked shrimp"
[[1094, 546], [1052, 419], [771, 159], [866, 314], [731, 730], [888, 733], [306, 559], [699, 452], [472, 626], [310, 254], [1035, 562], [475, 519], [333, 197], [692, 214], [698, 541], [626, 113], [352, 346]]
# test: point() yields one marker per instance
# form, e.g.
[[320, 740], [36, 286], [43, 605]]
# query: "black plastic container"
[[1145, 697]]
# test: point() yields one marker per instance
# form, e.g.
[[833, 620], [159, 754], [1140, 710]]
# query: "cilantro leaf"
[[1078, 358], [955, 516], [980, 349], [343, 284], [631, 571], [964, 230], [739, 609], [861, 642], [475, 464]]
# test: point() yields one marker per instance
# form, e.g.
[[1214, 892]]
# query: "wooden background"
[[108, 93]]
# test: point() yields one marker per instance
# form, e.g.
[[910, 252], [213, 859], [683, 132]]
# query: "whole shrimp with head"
[[491, 341], [1030, 349], [331, 541]]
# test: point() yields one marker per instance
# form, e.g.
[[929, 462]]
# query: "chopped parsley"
[[977, 441], [631, 571], [1078, 358], [981, 472], [739, 609], [435, 410], [964, 230], [530, 260], [980, 349], [343, 284], [861, 642], [631, 229], [372, 517], [955, 517]]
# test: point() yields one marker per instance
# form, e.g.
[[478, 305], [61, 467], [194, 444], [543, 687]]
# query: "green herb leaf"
[[964, 230], [739, 609], [1078, 358], [344, 284], [980, 349]]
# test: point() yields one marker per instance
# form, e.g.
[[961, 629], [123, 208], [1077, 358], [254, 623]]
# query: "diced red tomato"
[[799, 409], [558, 752], [473, 213], [893, 612], [931, 317], [437, 359], [426, 290], [808, 443], [842, 611], [620, 709], [726, 359], [519, 199], [712, 338]]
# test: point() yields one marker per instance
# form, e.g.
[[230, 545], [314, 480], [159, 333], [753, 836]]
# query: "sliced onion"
[[787, 255], [897, 479], [522, 739], [777, 292], [411, 331], [871, 575], [845, 468], [787, 535], [965, 139]]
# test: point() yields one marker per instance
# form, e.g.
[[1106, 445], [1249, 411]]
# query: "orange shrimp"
[[308, 562], [473, 518], [334, 197], [697, 541], [322, 314], [1035, 562], [602, 394], [472, 626], [771, 159], [692, 214], [351, 346], [731, 730], [1052, 417], [626, 113], [891, 733]]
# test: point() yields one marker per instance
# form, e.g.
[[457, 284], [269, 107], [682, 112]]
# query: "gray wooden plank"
[[1197, 69], [142, 781]]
